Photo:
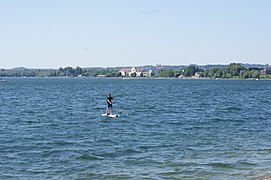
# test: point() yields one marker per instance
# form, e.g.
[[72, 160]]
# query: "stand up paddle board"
[[111, 115]]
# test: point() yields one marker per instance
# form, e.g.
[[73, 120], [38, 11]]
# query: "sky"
[[108, 33]]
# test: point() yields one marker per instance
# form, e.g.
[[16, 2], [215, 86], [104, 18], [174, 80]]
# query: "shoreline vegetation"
[[231, 71]]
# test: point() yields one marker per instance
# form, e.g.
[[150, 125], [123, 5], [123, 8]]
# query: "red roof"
[[125, 70]]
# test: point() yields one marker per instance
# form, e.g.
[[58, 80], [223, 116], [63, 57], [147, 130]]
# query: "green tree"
[[205, 73], [234, 69], [228, 75], [191, 70], [177, 73], [78, 71], [245, 74], [255, 74], [61, 72], [218, 74]]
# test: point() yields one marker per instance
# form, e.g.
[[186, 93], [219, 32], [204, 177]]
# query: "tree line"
[[61, 72], [234, 70]]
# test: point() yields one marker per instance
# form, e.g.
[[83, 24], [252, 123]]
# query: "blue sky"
[[104, 33]]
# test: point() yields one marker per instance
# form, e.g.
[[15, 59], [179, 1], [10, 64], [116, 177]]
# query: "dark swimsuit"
[[110, 100]]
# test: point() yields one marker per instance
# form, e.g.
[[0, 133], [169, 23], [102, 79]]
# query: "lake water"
[[52, 128]]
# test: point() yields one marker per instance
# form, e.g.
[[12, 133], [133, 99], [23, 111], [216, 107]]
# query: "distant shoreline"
[[133, 78], [232, 71]]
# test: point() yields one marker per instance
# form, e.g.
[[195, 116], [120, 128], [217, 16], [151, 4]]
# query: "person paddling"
[[109, 108]]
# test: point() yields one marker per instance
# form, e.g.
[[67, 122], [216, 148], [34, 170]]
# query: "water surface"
[[169, 128]]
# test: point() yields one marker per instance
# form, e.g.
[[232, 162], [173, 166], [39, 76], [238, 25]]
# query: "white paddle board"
[[111, 115]]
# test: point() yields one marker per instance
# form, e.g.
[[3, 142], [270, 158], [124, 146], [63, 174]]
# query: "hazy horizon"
[[53, 34], [21, 67]]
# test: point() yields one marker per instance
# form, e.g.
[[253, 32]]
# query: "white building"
[[137, 71]]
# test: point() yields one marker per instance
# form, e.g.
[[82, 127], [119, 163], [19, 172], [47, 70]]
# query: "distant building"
[[125, 71], [266, 70], [197, 74], [181, 76], [141, 71], [147, 73], [137, 71]]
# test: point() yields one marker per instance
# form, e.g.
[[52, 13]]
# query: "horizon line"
[[157, 65]]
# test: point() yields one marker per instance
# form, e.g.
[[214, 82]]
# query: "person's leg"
[[108, 109]]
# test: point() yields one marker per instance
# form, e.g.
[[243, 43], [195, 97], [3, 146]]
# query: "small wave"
[[233, 109], [61, 143], [145, 147], [245, 163], [179, 164], [89, 157], [28, 111], [221, 165], [114, 176], [266, 149], [120, 153], [37, 171], [173, 122], [48, 153], [105, 140], [142, 161], [105, 154], [169, 173], [218, 119], [129, 151]]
